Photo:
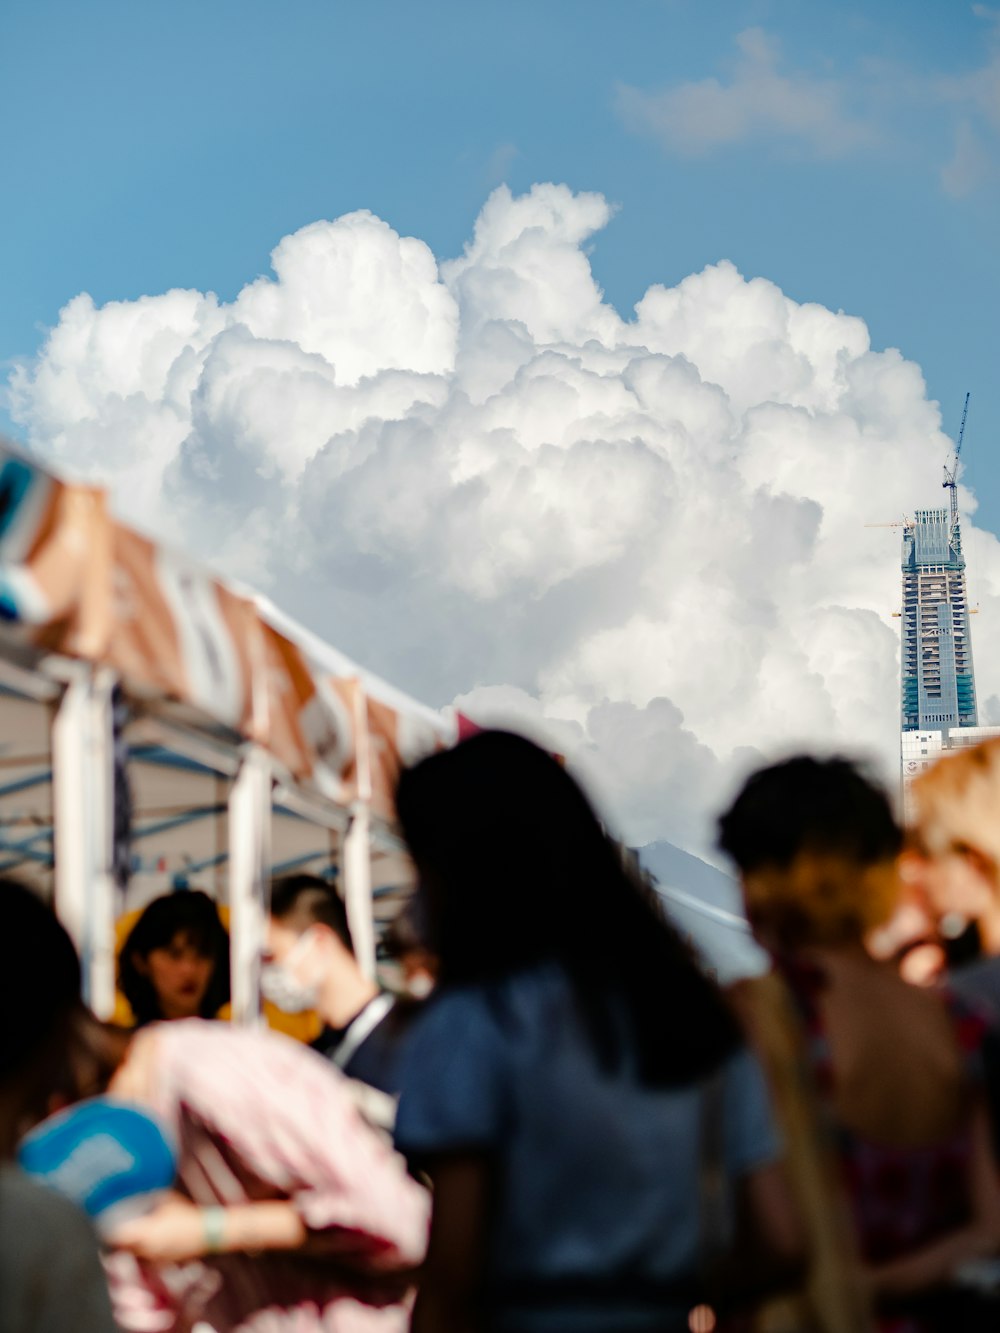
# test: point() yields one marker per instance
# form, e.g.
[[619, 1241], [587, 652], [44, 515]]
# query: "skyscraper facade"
[[938, 681]]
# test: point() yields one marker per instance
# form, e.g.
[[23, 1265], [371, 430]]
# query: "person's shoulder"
[[203, 1052], [51, 1276], [34, 1211], [741, 1069], [977, 985], [489, 997], [451, 1003], [454, 1072], [463, 1015], [974, 1011], [189, 1033]]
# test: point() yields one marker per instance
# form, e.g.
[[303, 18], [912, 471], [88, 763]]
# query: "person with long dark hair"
[[175, 960], [556, 1089]]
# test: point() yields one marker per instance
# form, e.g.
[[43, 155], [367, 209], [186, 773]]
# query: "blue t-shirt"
[[599, 1175]]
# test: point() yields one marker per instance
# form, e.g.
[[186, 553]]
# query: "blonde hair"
[[957, 802], [822, 898]]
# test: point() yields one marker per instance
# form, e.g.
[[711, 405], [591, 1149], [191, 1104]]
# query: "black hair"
[[313, 901], [39, 980], [807, 804], [187, 912], [516, 870], [408, 932]]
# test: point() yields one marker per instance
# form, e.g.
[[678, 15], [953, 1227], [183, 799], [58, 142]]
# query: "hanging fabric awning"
[[75, 582]]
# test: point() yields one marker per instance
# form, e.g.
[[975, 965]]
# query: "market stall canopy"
[[76, 583]]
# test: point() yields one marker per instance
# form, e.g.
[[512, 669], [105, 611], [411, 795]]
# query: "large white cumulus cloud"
[[648, 534]]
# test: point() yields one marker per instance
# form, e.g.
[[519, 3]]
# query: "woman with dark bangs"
[[576, 1089], [175, 961]]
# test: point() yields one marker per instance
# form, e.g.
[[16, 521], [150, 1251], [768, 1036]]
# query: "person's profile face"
[[953, 883], [180, 973], [279, 941], [308, 957]]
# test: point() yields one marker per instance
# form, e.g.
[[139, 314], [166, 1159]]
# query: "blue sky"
[[847, 151], [473, 478]]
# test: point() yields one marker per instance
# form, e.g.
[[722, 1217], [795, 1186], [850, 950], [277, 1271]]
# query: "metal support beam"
[[161, 756], [296, 863], [249, 859], [296, 804], [38, 779], [25, 681], [26, 850], [182, 879], [191, 816], [82, 806], [358, 888]]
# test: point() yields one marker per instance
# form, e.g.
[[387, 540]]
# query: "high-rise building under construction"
[[938, 681], [938, 706]]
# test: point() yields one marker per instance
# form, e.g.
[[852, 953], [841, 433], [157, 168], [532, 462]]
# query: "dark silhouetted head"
[[516, 870], [816, 845], [39, 992]]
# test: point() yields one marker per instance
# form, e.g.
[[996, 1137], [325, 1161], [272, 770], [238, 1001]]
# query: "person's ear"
[[329, 941], [141, 965]]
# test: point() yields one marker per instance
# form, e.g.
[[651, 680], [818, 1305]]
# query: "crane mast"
[[950, 482]]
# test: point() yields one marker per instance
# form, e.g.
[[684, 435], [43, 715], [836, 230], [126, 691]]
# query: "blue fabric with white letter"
[[111, 1158]]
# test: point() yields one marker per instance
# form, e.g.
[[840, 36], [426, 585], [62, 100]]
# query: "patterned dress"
[[901, 1199]]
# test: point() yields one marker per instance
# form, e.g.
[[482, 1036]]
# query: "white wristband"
[[213, 1221]]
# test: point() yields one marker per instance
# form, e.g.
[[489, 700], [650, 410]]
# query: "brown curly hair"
[[957, 802]]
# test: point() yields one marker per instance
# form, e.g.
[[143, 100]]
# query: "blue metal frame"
[[25, 784], [178, 821], [182, 880], [161, 757], [25, 849]]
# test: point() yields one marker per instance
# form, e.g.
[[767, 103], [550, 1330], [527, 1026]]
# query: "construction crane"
[[950, 482]]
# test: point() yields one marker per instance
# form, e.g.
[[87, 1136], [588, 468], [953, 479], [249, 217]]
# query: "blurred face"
[[955, 883], [910, 938], [180, 973], [280, 941], [296, 964]]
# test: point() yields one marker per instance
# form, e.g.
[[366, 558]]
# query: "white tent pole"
[[357, 868], [356, 857], [249, 862], [83, 828]]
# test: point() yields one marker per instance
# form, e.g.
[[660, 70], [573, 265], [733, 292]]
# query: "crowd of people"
[[558, 1122]]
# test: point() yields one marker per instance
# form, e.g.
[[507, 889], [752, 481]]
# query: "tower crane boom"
[[950, 482]]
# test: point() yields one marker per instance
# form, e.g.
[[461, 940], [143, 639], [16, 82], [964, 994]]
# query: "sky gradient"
[[518, 432], [163, 145]]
